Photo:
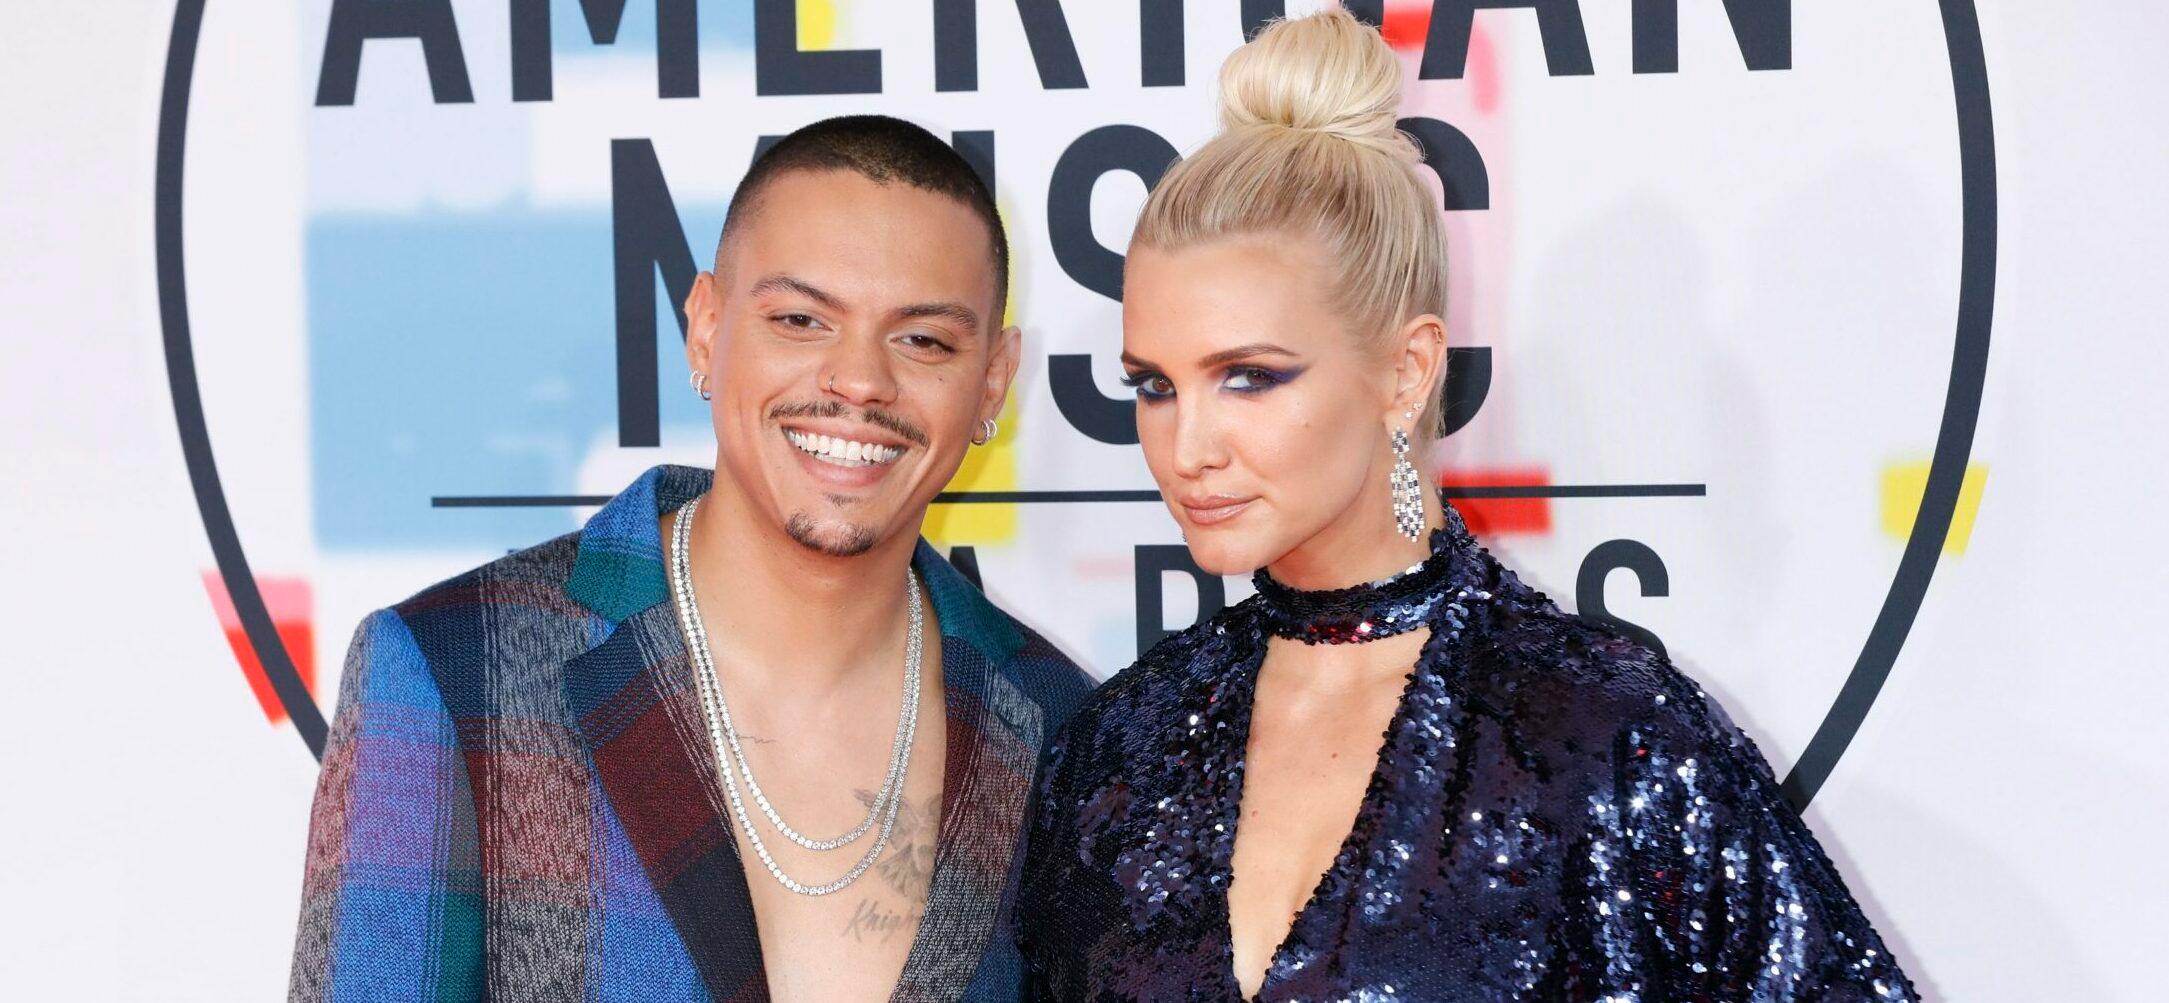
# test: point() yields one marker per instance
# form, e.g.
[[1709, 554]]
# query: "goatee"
[[845, 541]]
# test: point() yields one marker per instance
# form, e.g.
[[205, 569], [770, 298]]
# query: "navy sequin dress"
[[1556, 814]]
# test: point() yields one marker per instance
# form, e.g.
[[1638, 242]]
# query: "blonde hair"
[[1308, 144]]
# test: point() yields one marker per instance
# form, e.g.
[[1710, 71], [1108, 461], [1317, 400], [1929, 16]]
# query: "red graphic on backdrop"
[[290, 602], [1494, 516]]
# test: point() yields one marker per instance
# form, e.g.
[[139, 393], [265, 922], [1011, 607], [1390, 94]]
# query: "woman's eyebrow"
[[1240, 352]]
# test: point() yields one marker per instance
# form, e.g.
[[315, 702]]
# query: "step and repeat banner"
[[1718, 309], [1723, 278]]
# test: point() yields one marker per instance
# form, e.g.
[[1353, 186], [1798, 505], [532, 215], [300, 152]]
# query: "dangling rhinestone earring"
[[1407, 486], [700, 385]]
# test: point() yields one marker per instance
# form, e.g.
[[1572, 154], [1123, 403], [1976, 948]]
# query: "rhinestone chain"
[[723, 735], [899, 750]]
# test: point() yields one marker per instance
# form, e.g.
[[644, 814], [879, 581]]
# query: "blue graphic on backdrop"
[[459, 354], [723, 25]]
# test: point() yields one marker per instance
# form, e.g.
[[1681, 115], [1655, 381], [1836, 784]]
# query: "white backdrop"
[[1720, 309]]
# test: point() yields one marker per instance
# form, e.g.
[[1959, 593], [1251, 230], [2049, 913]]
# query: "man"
[[566, 774]]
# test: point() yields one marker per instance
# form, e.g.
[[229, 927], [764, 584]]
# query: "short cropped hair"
[[884, 150]]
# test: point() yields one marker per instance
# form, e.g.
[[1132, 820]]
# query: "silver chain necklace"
[[723, 735]]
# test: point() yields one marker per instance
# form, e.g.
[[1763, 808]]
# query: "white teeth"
[[842, 452]]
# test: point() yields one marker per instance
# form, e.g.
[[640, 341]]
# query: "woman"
[[1555, 813]]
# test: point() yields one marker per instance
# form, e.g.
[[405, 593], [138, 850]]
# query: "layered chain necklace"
[[723, 735]]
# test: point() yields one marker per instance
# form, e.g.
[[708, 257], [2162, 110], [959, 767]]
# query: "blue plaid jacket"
[[517, 801]]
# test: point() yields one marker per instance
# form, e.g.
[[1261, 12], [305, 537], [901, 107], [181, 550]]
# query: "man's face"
[[847, 340]]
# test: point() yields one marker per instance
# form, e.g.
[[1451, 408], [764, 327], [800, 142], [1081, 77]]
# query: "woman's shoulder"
[[1581, 678]]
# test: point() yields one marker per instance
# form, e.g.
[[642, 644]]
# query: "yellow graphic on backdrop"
[[992, 467], [816, 24], [1905, 483]]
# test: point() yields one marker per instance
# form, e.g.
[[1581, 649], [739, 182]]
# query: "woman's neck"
[[1361, 546]]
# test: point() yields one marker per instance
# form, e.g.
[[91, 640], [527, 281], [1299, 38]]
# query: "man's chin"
[[833, 538]]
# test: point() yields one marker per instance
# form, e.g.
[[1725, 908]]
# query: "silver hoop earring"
[[987, 429], [1407, 490], [700, 385]]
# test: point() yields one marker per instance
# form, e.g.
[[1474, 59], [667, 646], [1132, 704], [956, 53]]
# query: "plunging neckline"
[[961, 757], [964, 757], [1353, 842]]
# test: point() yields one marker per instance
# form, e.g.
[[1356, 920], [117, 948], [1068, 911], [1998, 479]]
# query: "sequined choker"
[[1359, 613]]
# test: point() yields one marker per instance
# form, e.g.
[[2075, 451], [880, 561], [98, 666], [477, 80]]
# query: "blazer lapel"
[[635, 703], [993, 744], [633, 700]]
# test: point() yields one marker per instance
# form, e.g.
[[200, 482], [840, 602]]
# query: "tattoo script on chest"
[[905, 870]]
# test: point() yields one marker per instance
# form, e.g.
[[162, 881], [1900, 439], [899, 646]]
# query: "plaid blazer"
[[518, 801]]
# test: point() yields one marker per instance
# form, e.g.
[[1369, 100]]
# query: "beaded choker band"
[[1359, 613]]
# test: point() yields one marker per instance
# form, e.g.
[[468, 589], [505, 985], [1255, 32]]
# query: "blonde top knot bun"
[[1309, 148], [1327, 73]]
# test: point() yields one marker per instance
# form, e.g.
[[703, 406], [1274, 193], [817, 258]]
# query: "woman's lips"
[[1214, 510]]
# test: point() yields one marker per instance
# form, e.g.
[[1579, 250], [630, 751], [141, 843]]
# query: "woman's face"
[[1263, 419]]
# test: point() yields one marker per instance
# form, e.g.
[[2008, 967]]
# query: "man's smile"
[[842, 452]]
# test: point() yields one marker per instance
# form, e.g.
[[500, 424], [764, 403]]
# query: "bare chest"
[[851, 944]]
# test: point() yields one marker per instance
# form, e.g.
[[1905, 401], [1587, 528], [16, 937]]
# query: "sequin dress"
[[1555, 814]]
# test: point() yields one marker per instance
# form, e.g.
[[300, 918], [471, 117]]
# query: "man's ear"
[[1420, 368], [700, 323], [1002, 365]]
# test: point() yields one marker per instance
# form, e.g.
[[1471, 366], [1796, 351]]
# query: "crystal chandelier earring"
[[1407, 485]]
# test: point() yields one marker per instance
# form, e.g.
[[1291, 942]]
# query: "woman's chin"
[[1225, 556]]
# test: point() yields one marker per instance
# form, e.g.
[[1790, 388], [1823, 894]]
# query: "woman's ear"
[[700, 322], [1421, 366]]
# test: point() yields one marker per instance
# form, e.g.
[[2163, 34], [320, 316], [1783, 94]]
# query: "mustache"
[[886, 420]]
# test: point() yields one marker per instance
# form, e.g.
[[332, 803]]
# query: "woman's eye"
[[1150, 386], [1250, 379]]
